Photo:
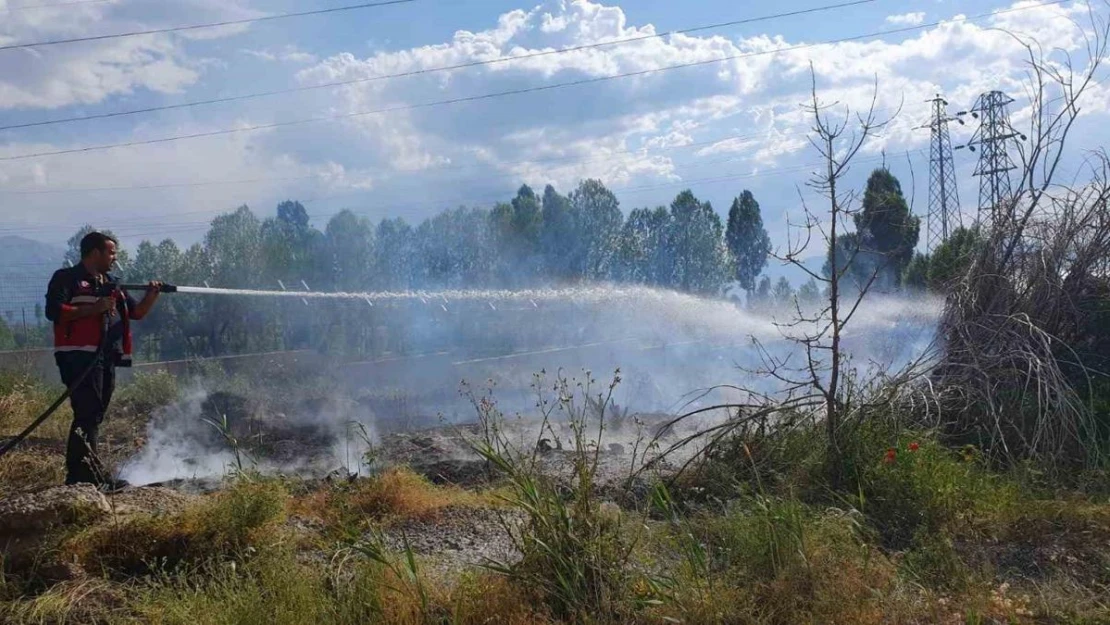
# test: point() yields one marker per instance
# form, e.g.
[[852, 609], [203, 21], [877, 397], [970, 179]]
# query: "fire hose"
[[100, 351]]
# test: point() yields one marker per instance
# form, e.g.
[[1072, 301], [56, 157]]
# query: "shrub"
[[146, 392], [910, 484]]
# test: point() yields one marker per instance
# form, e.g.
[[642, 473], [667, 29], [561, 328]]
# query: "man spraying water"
[[92, 313]]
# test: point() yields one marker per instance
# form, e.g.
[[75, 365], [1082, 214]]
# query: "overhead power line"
[[512, 92], [32, 7], [175, 29], [445, 68], [571, 161]]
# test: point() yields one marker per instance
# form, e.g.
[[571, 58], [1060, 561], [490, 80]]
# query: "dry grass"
[[484, 598], [30, 469], [23, 397], [769, 562], [40, 462], [794, 553], [88, 600], [395, 494], [225, 526]]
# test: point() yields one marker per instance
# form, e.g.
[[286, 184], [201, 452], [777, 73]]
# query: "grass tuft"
[[398, 493], [226, 527]]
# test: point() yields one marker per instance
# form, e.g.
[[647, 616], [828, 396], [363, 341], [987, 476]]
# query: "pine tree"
[[747, 240], [886, 227]]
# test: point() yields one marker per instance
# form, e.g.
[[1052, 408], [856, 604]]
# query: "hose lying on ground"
[[19, 438]]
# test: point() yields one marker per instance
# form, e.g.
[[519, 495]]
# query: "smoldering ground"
[[443, 353]]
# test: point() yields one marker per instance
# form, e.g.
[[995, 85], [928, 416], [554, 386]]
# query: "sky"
[[411, 146]]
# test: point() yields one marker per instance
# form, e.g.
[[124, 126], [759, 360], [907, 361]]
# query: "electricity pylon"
[[944, 197]]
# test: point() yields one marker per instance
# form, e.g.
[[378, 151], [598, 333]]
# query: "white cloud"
[[907, 19], [287, 54], [89, 72], [631, 131], [743, 115]]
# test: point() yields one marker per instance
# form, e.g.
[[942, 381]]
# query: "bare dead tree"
[[837, 140], [818, 383]]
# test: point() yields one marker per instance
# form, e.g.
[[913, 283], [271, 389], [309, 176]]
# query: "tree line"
[[534, 239]]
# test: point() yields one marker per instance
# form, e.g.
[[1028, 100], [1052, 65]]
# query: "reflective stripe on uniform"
[[76, 348]]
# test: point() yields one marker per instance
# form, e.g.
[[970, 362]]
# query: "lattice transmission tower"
[[992, 140], [944, 198]]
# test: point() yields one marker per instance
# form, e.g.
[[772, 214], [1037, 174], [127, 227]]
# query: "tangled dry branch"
[[1021, 341]]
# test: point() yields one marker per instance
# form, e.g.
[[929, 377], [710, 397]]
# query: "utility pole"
[[944, 198], [995, 164]]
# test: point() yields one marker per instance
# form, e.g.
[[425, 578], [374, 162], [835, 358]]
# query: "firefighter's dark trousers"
[[89, 401]]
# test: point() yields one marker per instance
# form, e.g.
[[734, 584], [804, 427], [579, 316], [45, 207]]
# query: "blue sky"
[[718, 128]]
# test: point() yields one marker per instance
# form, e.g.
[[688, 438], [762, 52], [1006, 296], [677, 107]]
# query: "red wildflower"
[[914, 446], [890, 457]]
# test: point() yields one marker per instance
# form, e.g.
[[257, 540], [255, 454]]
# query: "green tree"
[[516, 226], [73, 247], [233, 248], [747, 240], [916, 276], [349, 251], [643, 252], [809, 294], [951, 259], [887, 228], [394, 254], [455, 249], [160, 334], [696, 242], [559, 235], [600, 220], [762, 299], [856, 264], [783, 293], [291, 247]]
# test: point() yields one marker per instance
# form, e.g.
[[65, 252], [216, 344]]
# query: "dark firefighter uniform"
[[77, 346]]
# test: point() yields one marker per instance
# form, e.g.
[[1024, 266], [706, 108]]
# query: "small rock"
[[50, 507]]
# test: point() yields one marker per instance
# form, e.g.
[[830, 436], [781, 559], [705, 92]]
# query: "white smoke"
[[668, 346]]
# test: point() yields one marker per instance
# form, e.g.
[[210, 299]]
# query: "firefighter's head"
[[98, 251]]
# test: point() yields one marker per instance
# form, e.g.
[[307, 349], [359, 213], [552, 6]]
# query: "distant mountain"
[[25, 268], [18, 251]]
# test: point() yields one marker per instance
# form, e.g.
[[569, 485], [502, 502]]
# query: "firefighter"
[[92, 332]]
